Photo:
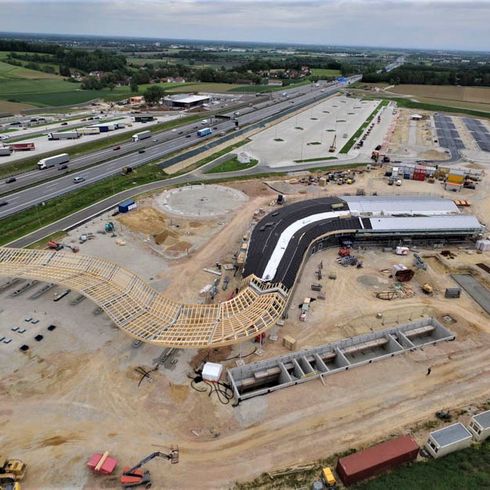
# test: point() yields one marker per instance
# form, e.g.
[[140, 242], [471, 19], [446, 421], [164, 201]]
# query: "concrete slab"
[[476, 290]]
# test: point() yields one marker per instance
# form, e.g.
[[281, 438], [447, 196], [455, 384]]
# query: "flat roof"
[[451, 434], [426, 223], [389, 205], [483, 419], [187, 99]]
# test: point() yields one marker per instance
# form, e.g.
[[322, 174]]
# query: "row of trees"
[[478, 75]]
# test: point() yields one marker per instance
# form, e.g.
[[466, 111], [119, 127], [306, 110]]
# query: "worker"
[[429, 370]]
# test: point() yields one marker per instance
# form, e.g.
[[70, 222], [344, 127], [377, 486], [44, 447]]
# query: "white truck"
[[52, 161], [5, 151], [65, 135], [141, 136]]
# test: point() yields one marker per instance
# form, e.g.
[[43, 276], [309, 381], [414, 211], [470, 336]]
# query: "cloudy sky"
[[457, 24]]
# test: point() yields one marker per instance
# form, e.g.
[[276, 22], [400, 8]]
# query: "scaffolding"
[[145, 314]]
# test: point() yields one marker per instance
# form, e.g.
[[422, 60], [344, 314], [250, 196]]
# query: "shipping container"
[[376, 459], [447, 440], [455, 178], [126, 206], [22, 146], [480, 426]]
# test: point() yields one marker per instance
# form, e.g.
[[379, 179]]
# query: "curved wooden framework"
[[145, 314]]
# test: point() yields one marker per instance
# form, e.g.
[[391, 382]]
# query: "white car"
[[77, 180]]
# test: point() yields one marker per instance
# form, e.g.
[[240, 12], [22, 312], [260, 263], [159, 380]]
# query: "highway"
[[168, 142]]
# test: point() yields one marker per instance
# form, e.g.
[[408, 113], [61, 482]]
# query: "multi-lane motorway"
[[167, 142]]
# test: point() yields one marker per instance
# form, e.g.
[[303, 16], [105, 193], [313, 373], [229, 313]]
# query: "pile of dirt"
[[163, 235], [146, 220]]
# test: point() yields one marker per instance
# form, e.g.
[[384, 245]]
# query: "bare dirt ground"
[[76, 392]]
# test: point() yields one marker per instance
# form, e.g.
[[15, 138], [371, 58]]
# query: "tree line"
[[459, 74]]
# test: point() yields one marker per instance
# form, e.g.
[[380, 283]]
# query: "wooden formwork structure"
[[145, 314]]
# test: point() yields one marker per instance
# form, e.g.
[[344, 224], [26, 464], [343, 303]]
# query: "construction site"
[[255, 327]]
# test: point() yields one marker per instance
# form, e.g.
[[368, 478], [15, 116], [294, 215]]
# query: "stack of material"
[[483, 245], [289, 342]]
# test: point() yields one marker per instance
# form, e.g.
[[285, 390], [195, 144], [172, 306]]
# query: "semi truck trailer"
[[93, 130], [204, 132], [66, 135], [5, 152], [141, 136], [52, 161]]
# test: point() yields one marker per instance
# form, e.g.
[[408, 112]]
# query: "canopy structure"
[[145, 314]]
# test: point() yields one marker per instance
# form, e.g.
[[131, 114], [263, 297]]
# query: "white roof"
[[423, 223], [389, 205], [187, 99]]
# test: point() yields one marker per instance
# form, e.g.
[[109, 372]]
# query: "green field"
[[466, 469], [232, 165], [325, 72]]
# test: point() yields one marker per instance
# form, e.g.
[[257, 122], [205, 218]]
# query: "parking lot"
[[309, 134]]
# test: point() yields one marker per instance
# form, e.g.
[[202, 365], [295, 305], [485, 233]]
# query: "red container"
[[376, 459], [418, 176]]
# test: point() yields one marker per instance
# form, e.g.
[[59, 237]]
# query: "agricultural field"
[[325, 72], [448, 95]]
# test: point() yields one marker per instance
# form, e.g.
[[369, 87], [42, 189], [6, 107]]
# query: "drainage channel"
[[270, 375]]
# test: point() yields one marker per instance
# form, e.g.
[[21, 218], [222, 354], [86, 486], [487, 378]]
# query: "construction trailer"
[[447, 440], [127, 205], [376, 459], [480, 426]]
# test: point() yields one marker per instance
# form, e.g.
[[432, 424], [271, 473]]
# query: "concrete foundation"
[[266, 376]]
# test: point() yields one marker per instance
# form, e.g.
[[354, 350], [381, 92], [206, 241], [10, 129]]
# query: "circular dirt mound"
[[201, 201]]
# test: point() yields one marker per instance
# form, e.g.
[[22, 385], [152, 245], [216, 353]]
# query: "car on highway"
[[188, 135], [64, 124], [117, 148], [63, 167], [10, 180], [141, 151], [154, 140], [3, 203], [77, 180]]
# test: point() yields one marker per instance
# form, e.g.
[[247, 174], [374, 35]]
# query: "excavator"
[[12, 471], [135, 476]]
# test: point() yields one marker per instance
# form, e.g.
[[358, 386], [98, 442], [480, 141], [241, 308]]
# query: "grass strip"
[[232, 165], [364, 125], [29, 220], [307, 160]]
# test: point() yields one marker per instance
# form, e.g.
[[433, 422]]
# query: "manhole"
[[51, 328], [24, 347], [38, 338]]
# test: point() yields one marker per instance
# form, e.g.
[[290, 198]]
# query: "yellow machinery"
[[328, 478], [12, 471]]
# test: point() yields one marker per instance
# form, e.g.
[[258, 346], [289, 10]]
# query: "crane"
[[134, 476]]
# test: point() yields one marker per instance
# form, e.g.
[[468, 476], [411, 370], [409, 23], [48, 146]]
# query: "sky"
[[430, 24]]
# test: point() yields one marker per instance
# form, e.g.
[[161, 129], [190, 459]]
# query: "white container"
[[480, 426], [483, 245], [447, 440], [212, 371], [402, 250]]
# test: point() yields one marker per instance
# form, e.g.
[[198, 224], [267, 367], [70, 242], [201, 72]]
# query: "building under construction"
[[279, 246]]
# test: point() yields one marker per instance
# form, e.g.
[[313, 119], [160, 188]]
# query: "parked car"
[[10, 180], [77, 180]]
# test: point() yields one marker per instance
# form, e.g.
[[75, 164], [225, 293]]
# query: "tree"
[[65, 71], [153, 94], [134, 86]]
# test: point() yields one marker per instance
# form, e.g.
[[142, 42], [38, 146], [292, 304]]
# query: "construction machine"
[[135, 476], [12, 471]]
